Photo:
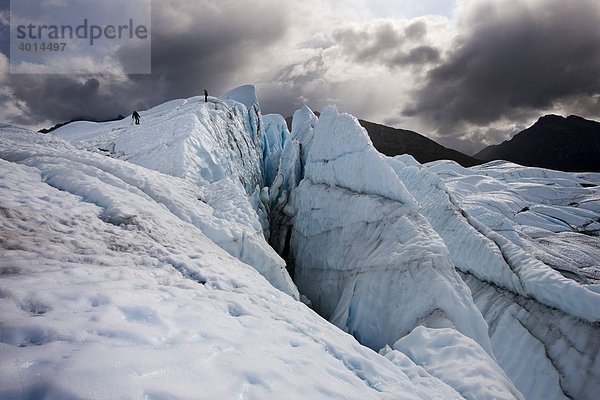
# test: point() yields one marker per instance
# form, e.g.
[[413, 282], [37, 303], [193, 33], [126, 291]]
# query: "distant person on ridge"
[[136, 116], [205, 96]]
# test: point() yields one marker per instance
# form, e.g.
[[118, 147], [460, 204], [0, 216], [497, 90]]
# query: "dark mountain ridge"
[[393, 141], [89, 119], [554, 142]]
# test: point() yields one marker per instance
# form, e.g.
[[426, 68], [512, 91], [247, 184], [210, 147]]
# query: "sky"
[[466, 73]]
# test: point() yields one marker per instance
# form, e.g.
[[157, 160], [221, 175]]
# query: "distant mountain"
[[555, 142], [392, 142], [61, 124]]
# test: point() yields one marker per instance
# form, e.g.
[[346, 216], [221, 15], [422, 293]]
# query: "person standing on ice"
[[136, 116], [205, 96]]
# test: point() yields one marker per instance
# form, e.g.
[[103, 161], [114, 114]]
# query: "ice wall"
[[276, 135]]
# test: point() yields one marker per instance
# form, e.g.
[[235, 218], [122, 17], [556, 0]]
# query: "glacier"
[[209, 252]]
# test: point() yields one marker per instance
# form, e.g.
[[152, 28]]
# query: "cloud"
[[209, 45], [387, 42], [297, 84], [195, 45], [513, 58], [466, 81]]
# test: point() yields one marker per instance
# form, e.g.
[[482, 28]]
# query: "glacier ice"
[[339, 157], [137, 254], [276, 134], [538, 213], [544, 351]]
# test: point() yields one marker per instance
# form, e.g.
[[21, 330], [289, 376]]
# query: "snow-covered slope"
[[216, 147], [188, 138], [134, 260]]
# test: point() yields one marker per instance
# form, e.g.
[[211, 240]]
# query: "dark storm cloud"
[[4, 22], [387, 44], [63, 94], [513, 58], [416, 56], [212, 43], [415, 30], [195, 45]]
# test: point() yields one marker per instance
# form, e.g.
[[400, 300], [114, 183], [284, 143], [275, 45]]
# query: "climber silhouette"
[[136, 116], [205, 96]]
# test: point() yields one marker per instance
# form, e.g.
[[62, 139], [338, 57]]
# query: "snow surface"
[[456, 359], [134, 260]]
